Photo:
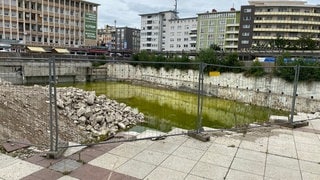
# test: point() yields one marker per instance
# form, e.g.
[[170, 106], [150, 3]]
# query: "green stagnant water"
[[165, 109]]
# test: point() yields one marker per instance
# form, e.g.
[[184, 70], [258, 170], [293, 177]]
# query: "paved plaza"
[[275, 153]]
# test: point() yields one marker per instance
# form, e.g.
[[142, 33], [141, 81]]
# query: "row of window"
[[292, 18], [218, 15]]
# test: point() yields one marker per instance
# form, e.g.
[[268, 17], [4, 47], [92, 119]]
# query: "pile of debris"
[[97, 115]]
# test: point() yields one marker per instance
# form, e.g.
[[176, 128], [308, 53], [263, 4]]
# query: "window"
[[244, 42], [245, 34], [247, 18], [247, 10]]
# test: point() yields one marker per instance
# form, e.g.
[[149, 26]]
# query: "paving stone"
[[163, 147], [40, 160], [193, 143], [150, 133], [126, 150], [12, 168], [312, 148], [65, 166], [223, 149], [68, 178], [208, 170], [310, 167], [152, 157], [277, 172], [283, 151], [251, 155], [310, 176], [228, 141], [88, 171], [217, 159], [251, 145], [281, 161], [161, 173], [141, 144], [307, 156], [193, 177], [72, 150], [248, 166], [234, 174], [137, 169], [16, 144], [108, 161], [48, 173], [178, 164], [188, 153]]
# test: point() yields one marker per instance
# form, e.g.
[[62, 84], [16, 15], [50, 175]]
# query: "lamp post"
[[115, 35]]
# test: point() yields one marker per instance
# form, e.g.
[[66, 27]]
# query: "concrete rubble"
[[97, 115]]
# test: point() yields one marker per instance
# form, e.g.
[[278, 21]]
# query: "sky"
[[126, 12]]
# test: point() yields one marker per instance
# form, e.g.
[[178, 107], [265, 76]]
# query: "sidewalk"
[[261, 154]]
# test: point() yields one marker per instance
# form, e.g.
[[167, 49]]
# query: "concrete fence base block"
[[199, 136]]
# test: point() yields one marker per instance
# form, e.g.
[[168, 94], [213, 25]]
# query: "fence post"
[[53, 106], [202, 66], [294, 95]]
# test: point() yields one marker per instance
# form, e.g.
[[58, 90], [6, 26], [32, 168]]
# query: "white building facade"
[[181, 35], [153, 30]]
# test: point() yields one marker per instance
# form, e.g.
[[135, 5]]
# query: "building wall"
[[154, 30], [128, 39], [220, 28], [179, 35], [59, 23], [289, 20]]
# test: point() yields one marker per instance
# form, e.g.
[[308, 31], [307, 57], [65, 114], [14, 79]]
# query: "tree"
[[215, 47], [280, 42]]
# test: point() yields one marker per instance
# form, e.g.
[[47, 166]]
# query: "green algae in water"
[[165, 109]]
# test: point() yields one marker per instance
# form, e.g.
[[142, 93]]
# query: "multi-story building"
[[218, 28], [106, 37], [127, 39], [181, 35], [51, 23], [153, 30], [263, 21]]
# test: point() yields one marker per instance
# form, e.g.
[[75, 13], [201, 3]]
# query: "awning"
[[36, 49], [62, 51]]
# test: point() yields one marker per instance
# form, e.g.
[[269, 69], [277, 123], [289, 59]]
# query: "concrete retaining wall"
[[267, 91]]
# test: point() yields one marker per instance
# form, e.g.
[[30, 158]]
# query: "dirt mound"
[[24, 114]]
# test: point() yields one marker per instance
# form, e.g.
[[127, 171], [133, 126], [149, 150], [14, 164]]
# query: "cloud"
[[126, 12]]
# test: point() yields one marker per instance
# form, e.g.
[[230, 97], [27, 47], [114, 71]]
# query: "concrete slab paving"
[[280, 154], [239, 175], [188, 153], [67, 178], [251, 155], [178, 164], [310, 167], [290, 163], [209, 171], [108, 161], [126, 150], [152, 157], [161, 173], [65, 166], [135, 168], [276, 172], [217, 159], [253, 167], [72, 150], [12, 168]]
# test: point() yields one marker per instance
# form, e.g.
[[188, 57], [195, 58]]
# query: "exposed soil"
[[24, 114]]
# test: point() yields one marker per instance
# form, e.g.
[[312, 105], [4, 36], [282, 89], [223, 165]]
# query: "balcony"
[[285, 22], [287, 14], [285, 30]]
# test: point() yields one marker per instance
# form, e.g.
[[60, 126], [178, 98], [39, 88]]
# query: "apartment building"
[[49, 23], [181, 35], [218, 28], [127, 39], [263, 21], [106, 36], [154, 30]]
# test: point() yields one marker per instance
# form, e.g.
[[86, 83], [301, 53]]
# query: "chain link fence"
[[90, 100]]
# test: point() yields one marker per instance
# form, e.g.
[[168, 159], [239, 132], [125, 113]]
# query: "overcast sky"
[[126, 12]]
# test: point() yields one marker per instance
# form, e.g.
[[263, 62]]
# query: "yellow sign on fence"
[[214, 73]]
